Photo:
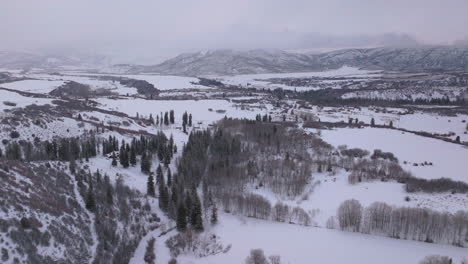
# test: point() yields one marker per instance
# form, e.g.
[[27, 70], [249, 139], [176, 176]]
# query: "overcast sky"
[[159, 27]]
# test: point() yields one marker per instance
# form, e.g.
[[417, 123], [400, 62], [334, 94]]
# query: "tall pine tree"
[[150, 186]]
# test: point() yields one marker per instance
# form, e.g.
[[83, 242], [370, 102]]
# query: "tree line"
[[420, 224]]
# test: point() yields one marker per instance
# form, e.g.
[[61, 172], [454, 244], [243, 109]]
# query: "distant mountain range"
[[231, 62]]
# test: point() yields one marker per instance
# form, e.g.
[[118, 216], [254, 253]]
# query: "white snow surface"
[[305, 245], [261, 80], [449, 160], [34, 86], [19, 100], [200, 109]]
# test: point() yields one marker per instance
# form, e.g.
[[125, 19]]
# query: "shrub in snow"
[[150, 257], [436, 260], [14, 134], [199, 244], [257, 256]]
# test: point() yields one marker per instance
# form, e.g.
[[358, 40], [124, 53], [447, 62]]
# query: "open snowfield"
[[34, 86], [19, 100], [200, 109], [169, 82], [449, 160], [161, 82], [45, 83], [327, 191], [261, 80], [305, 245], [401, 118]]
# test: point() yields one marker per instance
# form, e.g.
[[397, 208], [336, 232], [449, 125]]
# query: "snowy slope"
[[449, 159]]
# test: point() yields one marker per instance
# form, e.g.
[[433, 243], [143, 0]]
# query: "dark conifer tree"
[[196, 213], [163, 196], [133, 160], [150, 186], [114, 160], [181, 219], [166, 119], [171, 116], [372, 122], [109, 190], [190, 120], [90, 202], [146, 163], [72, 166], [159, 174], [185, 118]]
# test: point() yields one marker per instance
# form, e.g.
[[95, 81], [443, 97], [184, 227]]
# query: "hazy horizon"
[[155, 29]]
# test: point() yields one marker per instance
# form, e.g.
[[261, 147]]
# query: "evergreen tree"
[[181, 219], [133, 160], [196, 213], [190, 120], [146, 163], [391, 123], [72, 166], [109, 193], [151, 119], [114, 160], [171, 116], [159, 174], [457, 139], [185, 118], [90, 202], [372, 122], [150, 186], [166, 119], [163, 196]]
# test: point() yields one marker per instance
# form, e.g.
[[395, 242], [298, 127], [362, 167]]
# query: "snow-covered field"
[[415, 121], [304, 245], [261, 80], [200, 109], [34, 86], [161, 82], [449, 160], [19, 100], [169, 82]]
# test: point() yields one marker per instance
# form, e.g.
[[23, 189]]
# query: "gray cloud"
[[152, 28]]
